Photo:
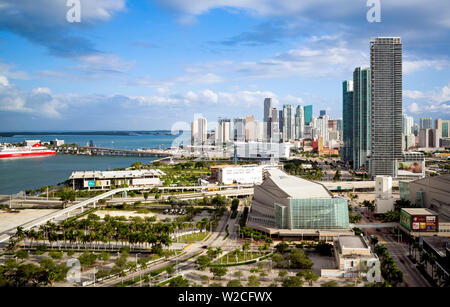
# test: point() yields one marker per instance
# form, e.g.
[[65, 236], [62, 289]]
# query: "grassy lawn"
[[193, 237], [231, 257]]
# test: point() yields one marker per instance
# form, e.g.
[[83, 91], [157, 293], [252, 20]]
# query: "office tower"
[[239, 129], [332, 125], [275, 131], [361, 117], [443, 126], [259, 131], [386, 100], [340, 128], [299, 123], [288, 122], [347, 121], [323, 112], [280, 122], [426, 123], [408, 123], [267, 119], [429, 138], [308, 111], [249, 128], [322, 126], [199, 131], [223, 131]]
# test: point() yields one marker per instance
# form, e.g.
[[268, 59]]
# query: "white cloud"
[[434, 101], [413, 94]]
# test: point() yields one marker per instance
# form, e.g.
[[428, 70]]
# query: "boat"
[[18, 152]]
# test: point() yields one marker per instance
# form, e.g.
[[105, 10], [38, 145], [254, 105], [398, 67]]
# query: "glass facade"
[[361, 117], [308, 114], [403, 186], [318, 213], [280, 216], [347, 111]]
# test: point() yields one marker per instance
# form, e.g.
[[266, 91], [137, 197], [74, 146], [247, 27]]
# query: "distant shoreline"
[[121, 133]]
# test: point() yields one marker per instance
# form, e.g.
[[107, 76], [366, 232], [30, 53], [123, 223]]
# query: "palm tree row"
[[136, 233]]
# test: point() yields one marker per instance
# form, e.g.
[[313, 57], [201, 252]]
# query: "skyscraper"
[[223, 131], [322, 125], [408, 123], [386, 99], [288, 122], [249, 128], [275, 131], [239, 129], [443, 126], [361, 117], [199, 131], [308, 111], [426, 123], [347, 121], [299, 123], [267, 119]]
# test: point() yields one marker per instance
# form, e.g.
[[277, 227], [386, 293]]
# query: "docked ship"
[[22, 152]]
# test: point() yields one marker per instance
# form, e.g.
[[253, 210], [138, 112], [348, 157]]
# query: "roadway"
[[399, 252]]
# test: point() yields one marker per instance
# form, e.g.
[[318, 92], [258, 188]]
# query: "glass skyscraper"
[[386, 102], [347, 121], [288, 122], [361, 117], [308, 114]]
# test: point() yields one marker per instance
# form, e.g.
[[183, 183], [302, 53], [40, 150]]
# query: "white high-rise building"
[[299, 123], [384, 202], [408, 123], [275, 131], [223, 131], [199, 131], [322, 126]]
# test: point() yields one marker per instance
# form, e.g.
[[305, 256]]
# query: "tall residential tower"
[[386, 100]]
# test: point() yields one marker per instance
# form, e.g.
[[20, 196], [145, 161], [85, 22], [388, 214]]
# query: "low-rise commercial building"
[[354, 258], [107, 179], [289, 206]]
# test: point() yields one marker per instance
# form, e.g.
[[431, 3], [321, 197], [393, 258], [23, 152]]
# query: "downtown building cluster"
[[377, 136], [293, 126]]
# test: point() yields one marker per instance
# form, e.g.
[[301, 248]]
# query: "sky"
[[158, 64]]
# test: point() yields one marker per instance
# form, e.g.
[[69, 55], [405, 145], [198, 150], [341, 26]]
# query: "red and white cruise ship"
[[18, 152]]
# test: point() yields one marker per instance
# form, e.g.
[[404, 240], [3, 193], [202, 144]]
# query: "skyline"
[[139, 65]]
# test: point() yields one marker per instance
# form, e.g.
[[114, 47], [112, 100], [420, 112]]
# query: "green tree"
[[234, 283], [179, 281], [293, 281], [203, 261], [309, 276], [218, 271]]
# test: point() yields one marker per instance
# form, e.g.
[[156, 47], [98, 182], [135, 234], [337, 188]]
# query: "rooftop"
[[297, 187], [116, 174], [352, 242], [419, 211]]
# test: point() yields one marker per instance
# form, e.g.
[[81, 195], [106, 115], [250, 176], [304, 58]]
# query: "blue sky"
[[147, 65]]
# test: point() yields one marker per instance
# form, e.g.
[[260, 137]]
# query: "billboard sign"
[[425, 223], [413, 168], [91, 183], [405, 220]]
